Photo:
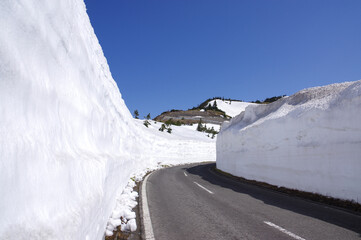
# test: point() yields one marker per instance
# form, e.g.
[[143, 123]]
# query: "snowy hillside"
[[231, 108], [309, 141], [68, 143], [179, 132], [206, 112]]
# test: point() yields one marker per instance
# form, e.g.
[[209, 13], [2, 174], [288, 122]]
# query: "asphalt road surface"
[[192, 202]]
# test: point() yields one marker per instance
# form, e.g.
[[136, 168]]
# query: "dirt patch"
[[193, 116]]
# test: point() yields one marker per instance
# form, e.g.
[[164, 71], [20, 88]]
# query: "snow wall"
[[309, 141], [68, 143]]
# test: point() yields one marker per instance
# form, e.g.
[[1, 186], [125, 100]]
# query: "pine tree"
[[215, 105], [169, 122], [200, 126], [162, 128], [148, 116], [146, 123], [136, 114]]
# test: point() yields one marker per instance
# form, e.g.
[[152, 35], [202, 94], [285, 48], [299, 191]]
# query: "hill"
[[211, 111]]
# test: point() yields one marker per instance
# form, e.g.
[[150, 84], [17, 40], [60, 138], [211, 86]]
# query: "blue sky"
[[174, 54]]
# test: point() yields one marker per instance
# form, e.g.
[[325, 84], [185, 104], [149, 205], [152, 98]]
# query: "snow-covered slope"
[[309, 141], [231, 108], [68, 143]]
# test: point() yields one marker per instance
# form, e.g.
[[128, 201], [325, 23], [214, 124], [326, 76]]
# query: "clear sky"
[[174, 54]]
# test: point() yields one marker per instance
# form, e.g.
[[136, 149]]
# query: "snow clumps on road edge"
[[122, 214]]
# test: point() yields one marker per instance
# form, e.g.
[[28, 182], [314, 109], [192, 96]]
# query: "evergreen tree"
[[136, 114], [169, 122], [146, 123], [215, 105], [148, 116], [200, 126], [162, 128]]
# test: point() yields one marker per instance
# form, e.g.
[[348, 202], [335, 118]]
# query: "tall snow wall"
[[68, 144], [309, 141]]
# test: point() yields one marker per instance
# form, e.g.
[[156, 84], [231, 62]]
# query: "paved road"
[[192, 202]]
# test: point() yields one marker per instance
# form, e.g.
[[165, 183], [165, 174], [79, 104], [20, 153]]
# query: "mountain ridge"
[[206, 112]]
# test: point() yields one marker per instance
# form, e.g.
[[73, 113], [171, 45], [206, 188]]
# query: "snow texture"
[[122, 213], [68, 144], [231, 108], [309, 141]]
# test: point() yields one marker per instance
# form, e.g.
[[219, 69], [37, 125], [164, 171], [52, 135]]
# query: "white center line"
[[284, 231], [204, 188], [185, 174]]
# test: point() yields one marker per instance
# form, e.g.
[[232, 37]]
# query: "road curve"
[[192, 202]]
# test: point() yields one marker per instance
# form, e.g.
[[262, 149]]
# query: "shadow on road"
[[295, 204]]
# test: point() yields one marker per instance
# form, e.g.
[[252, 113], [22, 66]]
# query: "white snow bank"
[[309, 141], [122, 213], [231, 108], [68, 143], [188, 130]]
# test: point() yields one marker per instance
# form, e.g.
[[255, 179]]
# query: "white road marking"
[[204, 188], [284, 231], [185, 174], [148, 229]]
